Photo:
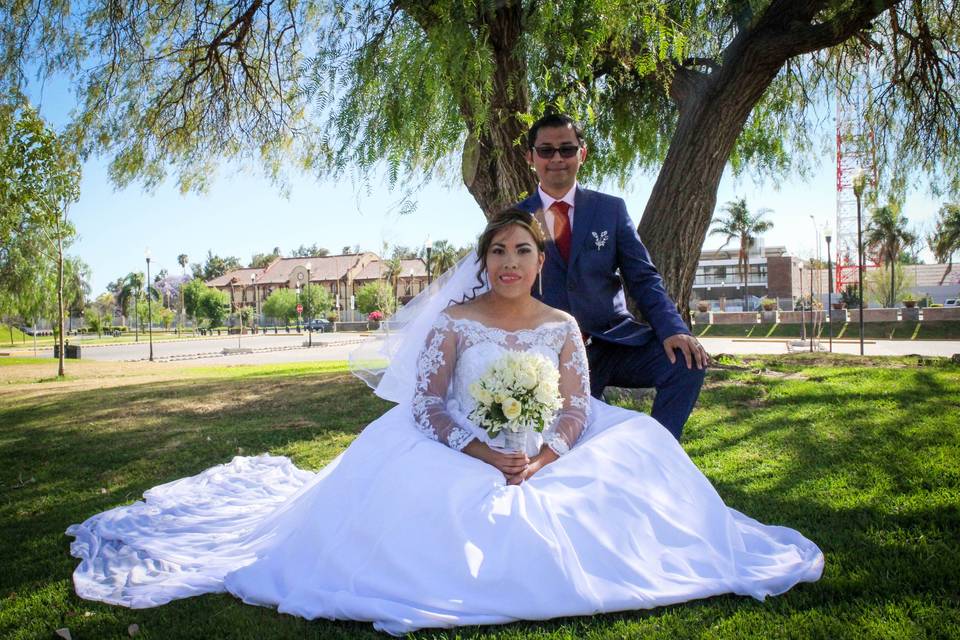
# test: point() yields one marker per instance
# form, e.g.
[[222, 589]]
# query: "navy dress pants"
[[618, 365]]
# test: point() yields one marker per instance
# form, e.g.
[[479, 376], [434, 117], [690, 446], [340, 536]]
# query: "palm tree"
[[740, 224], [887, 237], [392, 275], [132, 286], [945, 239], [133, 290], [443, 255]]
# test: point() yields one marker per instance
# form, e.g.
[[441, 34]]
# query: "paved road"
[[273, 349], [266, 348]]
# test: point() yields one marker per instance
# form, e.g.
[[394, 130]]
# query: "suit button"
[[571, 287]]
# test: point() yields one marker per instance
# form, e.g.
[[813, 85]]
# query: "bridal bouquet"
[[518, 393]]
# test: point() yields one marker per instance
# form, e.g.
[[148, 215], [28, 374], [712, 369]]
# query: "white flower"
[[544, 394], [480, 393], [511, 408], [519, 392], [527, 377]]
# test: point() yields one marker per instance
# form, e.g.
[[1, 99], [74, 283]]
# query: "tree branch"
[[814, 37]]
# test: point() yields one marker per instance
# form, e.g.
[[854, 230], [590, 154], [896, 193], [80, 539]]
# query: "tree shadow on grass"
[[67, 456], [864, 467], [863, 470]]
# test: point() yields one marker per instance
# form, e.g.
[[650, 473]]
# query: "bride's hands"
[[508, 463], [539, 461]]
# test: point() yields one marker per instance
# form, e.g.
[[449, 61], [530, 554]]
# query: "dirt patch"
[[34, 380]]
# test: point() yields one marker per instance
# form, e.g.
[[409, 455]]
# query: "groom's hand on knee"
[[693, 352]]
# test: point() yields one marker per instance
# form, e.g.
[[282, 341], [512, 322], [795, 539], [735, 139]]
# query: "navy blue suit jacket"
[[605, 242]]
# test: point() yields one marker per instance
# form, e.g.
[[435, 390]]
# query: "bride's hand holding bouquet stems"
[[539, 461], [518, 393], [509, 463]]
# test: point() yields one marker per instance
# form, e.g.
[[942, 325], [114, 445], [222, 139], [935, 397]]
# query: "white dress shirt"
[[547, 202]]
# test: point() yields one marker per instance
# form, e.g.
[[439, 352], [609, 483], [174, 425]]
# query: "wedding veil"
[[388, 363]]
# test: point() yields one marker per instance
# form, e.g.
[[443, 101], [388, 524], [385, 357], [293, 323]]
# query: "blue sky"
[[243, 213]]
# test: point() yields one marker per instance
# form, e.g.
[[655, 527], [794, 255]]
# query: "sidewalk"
[[871, 347]]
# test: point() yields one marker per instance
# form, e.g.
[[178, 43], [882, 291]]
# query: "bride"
[[426, 521]]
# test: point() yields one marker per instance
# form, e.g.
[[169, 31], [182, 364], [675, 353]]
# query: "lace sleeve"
[[435, 368], [575, 389]]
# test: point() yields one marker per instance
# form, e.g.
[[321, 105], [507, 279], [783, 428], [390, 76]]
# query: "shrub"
[[375, 296]]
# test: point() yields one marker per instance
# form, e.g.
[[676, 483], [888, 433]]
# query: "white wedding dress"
[[407, 532]]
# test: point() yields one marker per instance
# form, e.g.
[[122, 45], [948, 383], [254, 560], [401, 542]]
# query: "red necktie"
[[561, 228]]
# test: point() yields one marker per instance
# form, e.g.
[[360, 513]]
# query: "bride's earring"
[[540, 281]]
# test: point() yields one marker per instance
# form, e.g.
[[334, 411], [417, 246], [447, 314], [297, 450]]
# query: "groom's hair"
[[554, 120]]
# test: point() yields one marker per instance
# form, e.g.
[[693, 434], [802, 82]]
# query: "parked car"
[[952, 302], [320, 325]]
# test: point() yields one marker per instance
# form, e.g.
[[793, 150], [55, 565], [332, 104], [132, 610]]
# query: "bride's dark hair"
[[502, 220]]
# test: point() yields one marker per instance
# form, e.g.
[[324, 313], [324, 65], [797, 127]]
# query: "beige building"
[[411, 280], [340, 275]]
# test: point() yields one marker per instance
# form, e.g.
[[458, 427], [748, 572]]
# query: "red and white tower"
[[856, 149]]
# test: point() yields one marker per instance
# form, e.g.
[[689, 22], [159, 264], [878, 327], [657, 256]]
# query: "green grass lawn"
[[10, 335], [865, 461]]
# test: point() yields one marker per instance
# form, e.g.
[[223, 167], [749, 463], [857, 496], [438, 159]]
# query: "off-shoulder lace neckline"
[[506, 331]]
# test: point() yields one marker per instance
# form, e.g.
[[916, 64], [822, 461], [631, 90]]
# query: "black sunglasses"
[[566, 151]]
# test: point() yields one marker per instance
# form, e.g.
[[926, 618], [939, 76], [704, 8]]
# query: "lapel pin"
[[599, 240]]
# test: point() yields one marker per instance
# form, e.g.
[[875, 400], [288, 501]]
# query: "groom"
[[595, 249]]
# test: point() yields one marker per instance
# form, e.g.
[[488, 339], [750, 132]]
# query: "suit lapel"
[[534, 205], [582, 221]]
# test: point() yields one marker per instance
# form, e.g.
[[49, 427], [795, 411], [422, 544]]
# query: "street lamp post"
[[233, 300], [813, 326], [149, 308], [859, 182], [253, 283], [298, 311], [828, 235], [429, 272], [310, 315], [803, 318]]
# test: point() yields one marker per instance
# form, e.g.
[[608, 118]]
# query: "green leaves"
[[376, 296], [315, 300], [945, 239], [39, 179], [281, 305]]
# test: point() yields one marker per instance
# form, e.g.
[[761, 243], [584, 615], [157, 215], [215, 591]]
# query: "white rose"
[[480, 394], [527, 378], [545, 395], [511, 408]]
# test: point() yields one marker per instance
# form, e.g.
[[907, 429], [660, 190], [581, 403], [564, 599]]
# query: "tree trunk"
[[713, 110], [60, 339], [893, 288], [495, 170], [746, 278]]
